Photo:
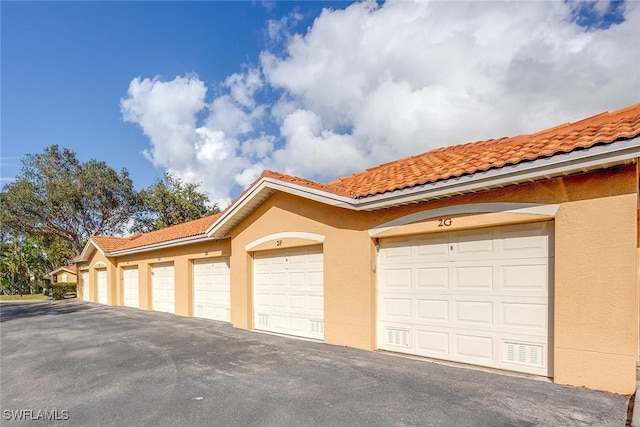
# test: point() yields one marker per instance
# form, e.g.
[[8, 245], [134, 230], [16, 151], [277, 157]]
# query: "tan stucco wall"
[[596, 293], [97, 261], [182, 258], [596, 274], [71, 277]]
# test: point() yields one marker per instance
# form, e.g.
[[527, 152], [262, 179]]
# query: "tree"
[[171, 201], [58, 198], [23, 264]]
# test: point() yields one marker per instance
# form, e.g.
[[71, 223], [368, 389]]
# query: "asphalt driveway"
[[98, 365]]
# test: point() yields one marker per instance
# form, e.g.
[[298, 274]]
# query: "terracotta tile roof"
[[108, 243], [455, 161], [193, 228], [69, 268]]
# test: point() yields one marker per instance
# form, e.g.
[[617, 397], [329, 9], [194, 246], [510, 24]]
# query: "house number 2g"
[[444, 222]]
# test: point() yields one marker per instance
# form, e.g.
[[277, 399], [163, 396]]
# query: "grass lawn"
[[23, 297]]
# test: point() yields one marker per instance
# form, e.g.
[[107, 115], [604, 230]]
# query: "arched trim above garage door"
[[285, 239], [530, 210], [100, 264]]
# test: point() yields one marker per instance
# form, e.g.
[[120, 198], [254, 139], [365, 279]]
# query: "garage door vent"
[[524, 354], [398, 337], [262, 320], [317, 326]]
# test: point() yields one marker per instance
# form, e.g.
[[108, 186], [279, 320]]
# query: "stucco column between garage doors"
[[595, 312]]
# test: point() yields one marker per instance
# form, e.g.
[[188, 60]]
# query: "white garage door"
[[84, 276], [288, 292], [211, 293], [103, 296], [131, 288], [482, 297], [163, 288]]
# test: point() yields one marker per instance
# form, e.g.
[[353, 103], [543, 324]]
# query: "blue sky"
[[217, 91], [66, 65]]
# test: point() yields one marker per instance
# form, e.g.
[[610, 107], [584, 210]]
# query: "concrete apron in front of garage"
[[120, 366]]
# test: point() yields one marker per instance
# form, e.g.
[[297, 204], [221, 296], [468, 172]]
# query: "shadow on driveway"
[[12, 310]]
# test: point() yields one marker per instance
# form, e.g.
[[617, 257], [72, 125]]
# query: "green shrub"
[[63, 289]]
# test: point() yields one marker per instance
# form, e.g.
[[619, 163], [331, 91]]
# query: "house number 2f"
[[444, 222]]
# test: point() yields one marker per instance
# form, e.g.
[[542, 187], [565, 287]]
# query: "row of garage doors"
[[482, 297], [211, 284]]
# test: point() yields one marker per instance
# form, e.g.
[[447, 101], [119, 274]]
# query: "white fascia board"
[[560, 164], [271, 185], [163, 245], [62, 269], [312, 194], [236, 207], [86, 249]]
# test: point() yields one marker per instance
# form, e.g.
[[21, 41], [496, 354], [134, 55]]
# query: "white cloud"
[[279, 28], [167, 113], [312, 150], [370, 83]]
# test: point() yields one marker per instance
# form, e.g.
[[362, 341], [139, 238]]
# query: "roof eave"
[[577, 161], [61, 269], [261, 191], [597, 157], [82, 257], [163, 245]]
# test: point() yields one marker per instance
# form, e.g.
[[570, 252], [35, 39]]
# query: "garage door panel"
[[291, 301], [131, 287], [315, 279], [102, 287], [261, 300], [85, 286], [212, 288], [298, 324], [474, 347], [532, 239], [316, 304], [520, 276], [528, 316], [492, 288], [297, 302], [433, 277], [471, 244], [429, 251], [163, 288], [297, 279], [296, 260], [430, 310], [398, 277], [480, 277], [279, 301], [398, 308], [397, 251], [278, 279], [476, 313], [432, 342]]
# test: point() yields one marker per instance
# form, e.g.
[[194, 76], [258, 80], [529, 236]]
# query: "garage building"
[[518, 254]]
